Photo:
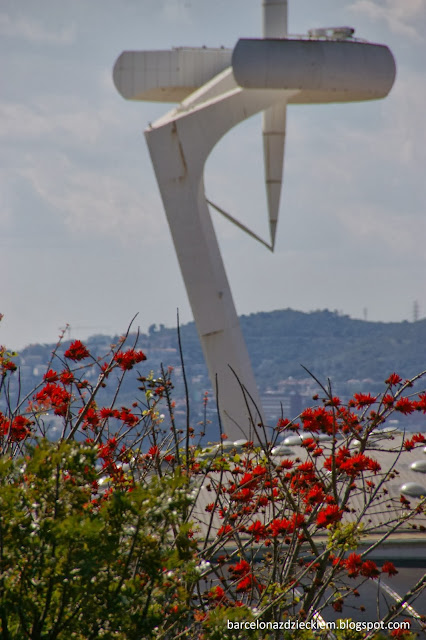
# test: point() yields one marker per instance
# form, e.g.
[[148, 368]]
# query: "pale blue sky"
[[83, 235]]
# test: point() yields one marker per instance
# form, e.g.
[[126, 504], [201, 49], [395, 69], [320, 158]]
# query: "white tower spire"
[[275, 19]]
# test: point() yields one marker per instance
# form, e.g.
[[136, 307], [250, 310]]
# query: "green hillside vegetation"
[[332, 345]]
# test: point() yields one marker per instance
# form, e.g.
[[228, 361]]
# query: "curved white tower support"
[[217, 89], [180, 144]]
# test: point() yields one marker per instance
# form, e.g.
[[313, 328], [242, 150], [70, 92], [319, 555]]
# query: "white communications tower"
[[216, 89]]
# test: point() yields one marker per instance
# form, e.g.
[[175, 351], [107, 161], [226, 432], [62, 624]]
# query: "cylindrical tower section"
[[275, 18], [322, 71]]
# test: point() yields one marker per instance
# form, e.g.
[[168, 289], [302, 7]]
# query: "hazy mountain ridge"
[[327, 343]]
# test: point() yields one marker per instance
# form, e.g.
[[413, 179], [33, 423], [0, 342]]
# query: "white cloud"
[[74, 119], [34, 31], [401, 17], [95, 202]]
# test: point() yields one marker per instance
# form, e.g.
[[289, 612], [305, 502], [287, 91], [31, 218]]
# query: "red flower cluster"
[[224, 530], [51, 376], [18, 429], [217, 594], [77, 351], [356, 464], [53, 395], [126, 360], [246, 580], [91, 417], [352, 465], [393, 379], [389, 568], [318, 420], [361, 400], [248, 583], [329, 515], [355, 567], [405, 406], [66, 377], [418, 438], [258, 530], [283, 526]]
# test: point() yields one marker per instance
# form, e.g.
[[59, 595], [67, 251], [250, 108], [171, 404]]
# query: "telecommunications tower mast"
[[215, 90]]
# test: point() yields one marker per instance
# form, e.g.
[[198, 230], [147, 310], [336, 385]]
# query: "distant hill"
[[279, 342], [333, 345]]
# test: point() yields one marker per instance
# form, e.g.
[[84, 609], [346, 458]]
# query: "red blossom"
[[244, 495], [91, 417], [258, 530], [55, 396], [329, 515], [353, 564], [358, 463], [349, 420], [297, 521], [8, 365], [279, 526], [337, 562], [388, 400], [217, 594], [224, 530], [154, 452], [259, 470], [421, 403], [389, 568], [242, 568], [393, 379], [126, 360], [355, 567], [107, 450], [306, 467], [418, 438], [20, 428], [50, 376], [362, 400], [341, 455], [77, 351], [283, 423], [107, 412], [369, 569], [66, 377], [309, 444], [333, 402], [128, 417], [248, 481], [315, 495], [319, 419], [405, 406], [248, 583]]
